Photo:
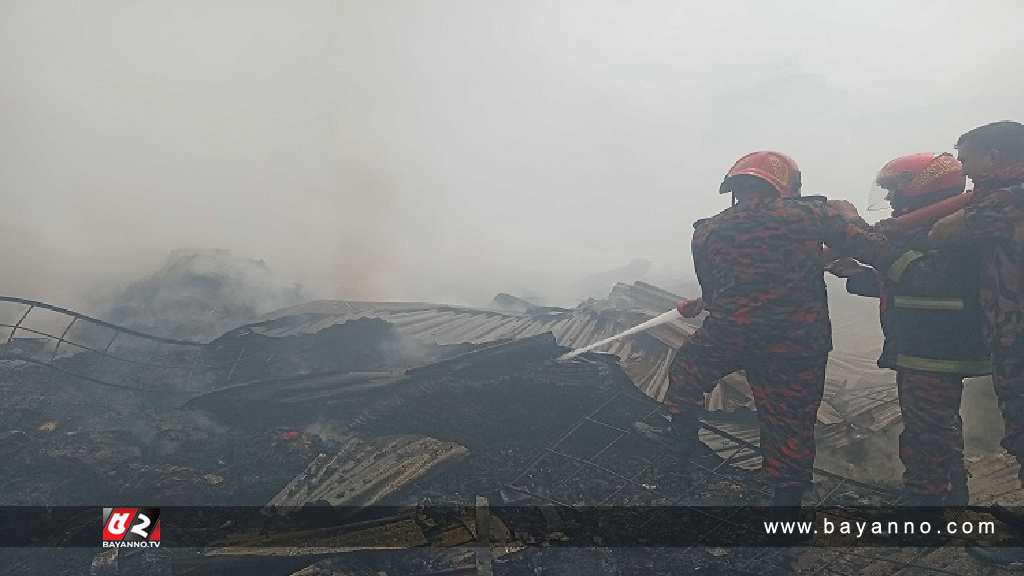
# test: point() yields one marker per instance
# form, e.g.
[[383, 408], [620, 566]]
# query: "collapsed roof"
[[644, 357], [860, 403], [348, 403]]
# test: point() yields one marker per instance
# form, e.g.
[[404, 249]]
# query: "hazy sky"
[[448, 150]]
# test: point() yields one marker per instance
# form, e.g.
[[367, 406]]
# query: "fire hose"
[[900, 225]]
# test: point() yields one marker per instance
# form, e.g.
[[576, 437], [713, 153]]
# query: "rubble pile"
[[176, 464], [510, 423], [362, 344], [360, 404], [510, 407]]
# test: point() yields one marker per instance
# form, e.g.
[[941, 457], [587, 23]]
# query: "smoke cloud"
[[451, 150]]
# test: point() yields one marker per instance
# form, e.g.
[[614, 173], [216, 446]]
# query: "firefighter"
[[760, 268], [993, 221], [993, 157], [931, 319]]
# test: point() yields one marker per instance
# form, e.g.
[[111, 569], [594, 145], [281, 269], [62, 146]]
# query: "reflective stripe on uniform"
[[900, 265], [925, 303], [947, 366]]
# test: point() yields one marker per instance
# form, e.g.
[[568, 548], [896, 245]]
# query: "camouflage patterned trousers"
[[787, 392], [1008, 379], [932, 441]]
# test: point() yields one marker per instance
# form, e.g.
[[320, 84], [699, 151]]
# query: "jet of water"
[[656, 321]]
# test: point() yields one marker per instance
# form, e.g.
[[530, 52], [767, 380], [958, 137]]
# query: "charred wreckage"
[[409, 425]]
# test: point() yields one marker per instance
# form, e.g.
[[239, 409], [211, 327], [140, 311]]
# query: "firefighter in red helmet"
[[760, 268], [931, 319], [775, 168]]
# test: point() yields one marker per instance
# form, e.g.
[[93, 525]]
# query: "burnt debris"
[[351, 405]]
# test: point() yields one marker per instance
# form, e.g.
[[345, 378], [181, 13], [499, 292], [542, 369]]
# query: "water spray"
[[685, 309]]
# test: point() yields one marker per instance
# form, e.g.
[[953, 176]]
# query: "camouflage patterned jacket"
[[761, 272], [992, 221]]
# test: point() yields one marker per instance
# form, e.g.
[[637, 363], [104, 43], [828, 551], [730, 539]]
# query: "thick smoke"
[[448, 151], [200, 294], [426, 151]]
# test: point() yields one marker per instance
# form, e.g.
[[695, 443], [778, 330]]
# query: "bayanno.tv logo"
[[131, 527]]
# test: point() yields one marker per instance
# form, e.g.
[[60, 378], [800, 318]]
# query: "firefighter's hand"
[[690, 308], [845, 268], [949, 228]]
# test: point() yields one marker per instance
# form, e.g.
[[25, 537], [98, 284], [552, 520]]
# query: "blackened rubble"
[[534, 431], [531, 425], [644, 357], [362, 344], [858, 420], [510, 407], [327, 410]]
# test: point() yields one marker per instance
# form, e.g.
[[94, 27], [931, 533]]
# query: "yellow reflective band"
[[900, 265], [948, 366], [922, 303]]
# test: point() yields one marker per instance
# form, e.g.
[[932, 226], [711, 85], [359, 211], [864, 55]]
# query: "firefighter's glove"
[[690, 308]]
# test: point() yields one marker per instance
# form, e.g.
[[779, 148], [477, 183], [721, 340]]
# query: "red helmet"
[[921, 174], [775, 168]]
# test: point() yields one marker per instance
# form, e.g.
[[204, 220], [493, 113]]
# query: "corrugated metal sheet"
[[645, 357], [364, 471], [994, 480], [859, 399]]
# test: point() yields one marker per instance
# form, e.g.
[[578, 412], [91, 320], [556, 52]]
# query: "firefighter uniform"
[[760, 267], [932, 322], [993, 221], [931, 319]]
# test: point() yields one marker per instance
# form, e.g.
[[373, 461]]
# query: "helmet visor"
[[878, 199]]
